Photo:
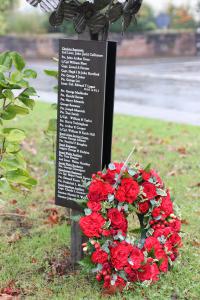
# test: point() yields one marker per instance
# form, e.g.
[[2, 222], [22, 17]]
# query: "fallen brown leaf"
[[13, 202], [20, 211], [184, 222], [14, 238], [172, 173], [196, 244], [182, 151], [195, 185], [53, 217], [33, 260]]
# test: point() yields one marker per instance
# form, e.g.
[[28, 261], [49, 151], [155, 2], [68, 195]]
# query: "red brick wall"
[[136, 46]]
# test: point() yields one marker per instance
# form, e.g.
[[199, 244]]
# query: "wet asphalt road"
[[167, 88]]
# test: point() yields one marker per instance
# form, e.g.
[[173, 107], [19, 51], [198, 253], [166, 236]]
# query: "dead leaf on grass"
[[33, 260], [15, 237], [184, 222], [13, 202], [20, 211], [53, 217], [195, 185], [182, 151], [196, 244]]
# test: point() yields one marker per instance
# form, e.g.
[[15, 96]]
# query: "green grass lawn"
[[33, 251]]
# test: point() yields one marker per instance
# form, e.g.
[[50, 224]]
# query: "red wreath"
[[115, 258]]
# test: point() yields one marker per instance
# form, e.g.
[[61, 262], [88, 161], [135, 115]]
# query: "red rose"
[[148, 272], [163, 260], [143, 207], [99, 257], [94, 206], [118, 220], [136, 258], [149, 189], [127, 191], [119, 255], [92, 225], [151, 243], [99, 190]]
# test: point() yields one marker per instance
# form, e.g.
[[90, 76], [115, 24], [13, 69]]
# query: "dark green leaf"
[[51, 73], [30, 91], [8, 94], [6, 60], [18, 61], [147, 168], [29, 73], [27, 101], [12, 111]]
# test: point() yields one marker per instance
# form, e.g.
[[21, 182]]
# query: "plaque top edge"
[[86, 41]]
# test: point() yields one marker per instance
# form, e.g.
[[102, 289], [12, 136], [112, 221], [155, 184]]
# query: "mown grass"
[[29, 245]]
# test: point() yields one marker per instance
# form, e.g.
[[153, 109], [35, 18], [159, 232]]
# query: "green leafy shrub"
[[5, 5], [15, 100]]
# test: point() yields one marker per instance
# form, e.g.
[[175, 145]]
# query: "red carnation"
[[163, 259], [151, 243], [119, 255], [110, 175], [99, 257], [99, 190], [175, 225], [165, 232], [132, 274], [175, 240], [148, 272], [156, 212], [94, 206], [166, 205], [136, 258], [149, 189], [118, 286], [118, 220], [143, 207], [145, 175], [92, 225], [127, 191]]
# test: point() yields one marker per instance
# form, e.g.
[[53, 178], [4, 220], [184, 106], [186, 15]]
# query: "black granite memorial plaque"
[[85, 115]]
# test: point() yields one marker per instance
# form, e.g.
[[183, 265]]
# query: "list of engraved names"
[[80, 91]]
